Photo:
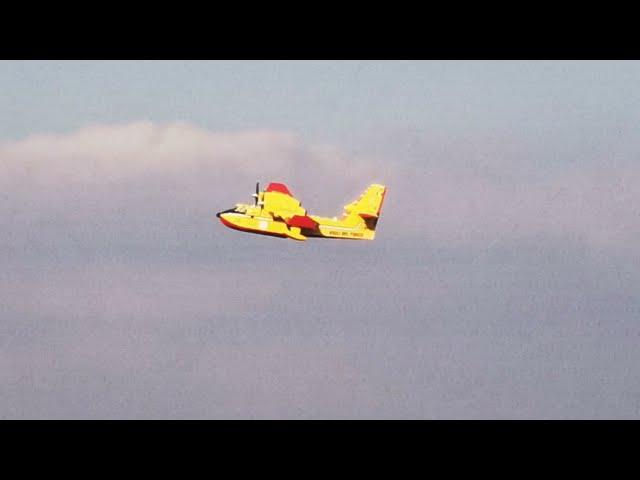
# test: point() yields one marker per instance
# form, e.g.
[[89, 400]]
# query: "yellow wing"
[[278, 202]]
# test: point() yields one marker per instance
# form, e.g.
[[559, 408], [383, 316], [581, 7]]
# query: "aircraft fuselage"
[[266, 225], [277, 213]]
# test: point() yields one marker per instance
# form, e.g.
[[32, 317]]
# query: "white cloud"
[[115, 180], [143, 174]]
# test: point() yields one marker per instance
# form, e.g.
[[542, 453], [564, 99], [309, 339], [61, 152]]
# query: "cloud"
[[142, 177], [108, 155], [131, 180]]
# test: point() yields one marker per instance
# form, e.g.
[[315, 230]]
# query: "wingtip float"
[[276, 212]]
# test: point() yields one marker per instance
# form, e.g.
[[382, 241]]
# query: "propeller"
[[257, 194]]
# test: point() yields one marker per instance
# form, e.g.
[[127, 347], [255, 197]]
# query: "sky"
[[503, 281]]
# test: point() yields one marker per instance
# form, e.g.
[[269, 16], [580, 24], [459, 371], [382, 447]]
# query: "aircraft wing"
[[278, 201]]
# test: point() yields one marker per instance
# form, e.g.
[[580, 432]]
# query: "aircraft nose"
[[221, 214]]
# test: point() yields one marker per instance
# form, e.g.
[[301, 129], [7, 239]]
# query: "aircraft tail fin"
[[369, 205]]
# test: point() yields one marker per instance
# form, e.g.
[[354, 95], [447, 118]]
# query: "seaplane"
[[276, 212]]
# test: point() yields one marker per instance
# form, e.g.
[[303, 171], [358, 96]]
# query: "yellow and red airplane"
[[277, 212]]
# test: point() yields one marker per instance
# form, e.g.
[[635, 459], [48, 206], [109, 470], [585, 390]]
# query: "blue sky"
[[503, 282]]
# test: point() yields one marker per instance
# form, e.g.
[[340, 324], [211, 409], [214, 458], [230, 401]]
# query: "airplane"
[[276, 212]]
